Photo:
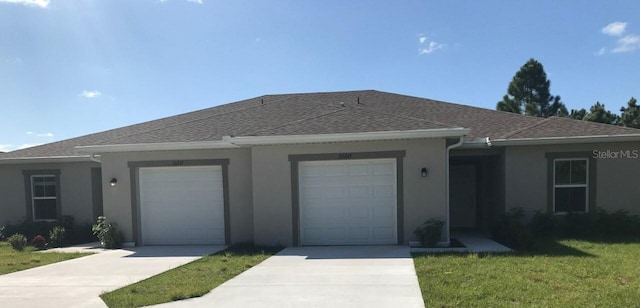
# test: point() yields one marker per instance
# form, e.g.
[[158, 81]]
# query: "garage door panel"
[[334, 170], [348, 202], [383, 233], [359, 234], [334, 214], [359, 169], [335, 192], [384, 191], [335, 233], [384, 169], [360, 191], [383, 213], [182, 205], [313, 192], [359, 212]]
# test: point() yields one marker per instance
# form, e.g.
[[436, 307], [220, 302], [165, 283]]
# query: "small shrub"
[[74, 233], [511, 231], [543, 224], [599, 225], [30, 228], [430, 232], [621, 224], [39, 242], [18, 241], [108, 233], [57, 236]]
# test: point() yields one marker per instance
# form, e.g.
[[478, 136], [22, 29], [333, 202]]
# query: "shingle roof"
[[323, 113]]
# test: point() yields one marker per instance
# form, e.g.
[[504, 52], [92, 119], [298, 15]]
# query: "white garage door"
[[181, 205], [348, 202]]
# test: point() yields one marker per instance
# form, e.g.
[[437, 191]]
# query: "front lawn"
[[13, 261], [190, 280], [565, 273]]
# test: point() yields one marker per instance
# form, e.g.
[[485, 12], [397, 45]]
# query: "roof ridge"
[[517, 131]]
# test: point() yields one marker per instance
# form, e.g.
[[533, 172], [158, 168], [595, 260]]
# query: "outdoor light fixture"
[[423, 172], [113, 183]]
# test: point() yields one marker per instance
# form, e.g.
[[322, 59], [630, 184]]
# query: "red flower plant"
[[39, 242]]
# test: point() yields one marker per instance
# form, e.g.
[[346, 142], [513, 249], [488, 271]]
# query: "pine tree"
[[529, 94], [630, 116], [598, 113]]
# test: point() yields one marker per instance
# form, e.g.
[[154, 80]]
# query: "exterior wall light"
[[113, 182], [423, 172]]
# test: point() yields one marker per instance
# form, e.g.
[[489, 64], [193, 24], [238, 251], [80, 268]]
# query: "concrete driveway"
[[79, 282], [349, 276]]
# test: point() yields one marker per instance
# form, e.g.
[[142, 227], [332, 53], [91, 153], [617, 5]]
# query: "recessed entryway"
[[348, 202], [181, 205]]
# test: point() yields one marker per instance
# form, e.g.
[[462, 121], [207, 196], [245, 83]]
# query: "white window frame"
[[585, 185], [33, 197]]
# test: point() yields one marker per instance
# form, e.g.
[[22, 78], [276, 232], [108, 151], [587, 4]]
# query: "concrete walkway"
[[478, 244], [336, 276], [79, 282]]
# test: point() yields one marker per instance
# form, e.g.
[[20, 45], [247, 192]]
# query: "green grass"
[[13, 261], [190, 280], [558, 274]]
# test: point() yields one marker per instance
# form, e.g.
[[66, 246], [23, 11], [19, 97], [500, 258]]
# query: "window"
[[44, 197], [570, 185]]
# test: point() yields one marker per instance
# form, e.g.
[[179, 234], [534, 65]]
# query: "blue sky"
[[73, 67]]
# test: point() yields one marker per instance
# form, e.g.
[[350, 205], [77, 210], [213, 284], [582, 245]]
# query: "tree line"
[[529, 94]]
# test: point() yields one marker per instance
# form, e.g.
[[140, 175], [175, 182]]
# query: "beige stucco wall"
[[75, 190], [617, 184], [117, 200], [424, 198]]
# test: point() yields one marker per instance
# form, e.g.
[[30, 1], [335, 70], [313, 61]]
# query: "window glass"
[[563, 172], [570, 185], [571, 199], [44, 209], [44, 197], [579, 172]]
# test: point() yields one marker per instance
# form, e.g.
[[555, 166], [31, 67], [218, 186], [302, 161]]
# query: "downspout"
[[453, 146]]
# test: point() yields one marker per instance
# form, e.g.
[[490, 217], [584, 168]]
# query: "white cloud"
[[90, 94], [36, 3], [615, 28], [627, 43], [630, 42], [430, 48], [427, 46], [11, 147], [48, 135]]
